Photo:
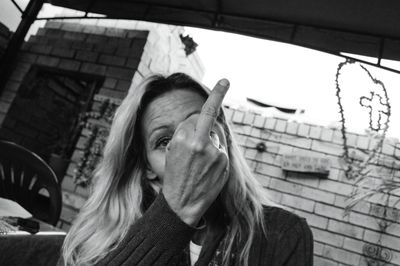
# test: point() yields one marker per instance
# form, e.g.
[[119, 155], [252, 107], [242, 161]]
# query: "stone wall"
[[321, 200], [110, 55], [117, 57]]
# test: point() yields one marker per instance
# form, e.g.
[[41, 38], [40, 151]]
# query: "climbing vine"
[[96, 124], [360, 165], [356, 168]]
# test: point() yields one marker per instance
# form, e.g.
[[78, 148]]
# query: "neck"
[[199, 236], [214, 222]]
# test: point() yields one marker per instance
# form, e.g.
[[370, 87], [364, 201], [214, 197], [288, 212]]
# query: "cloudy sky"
[[281, 74]]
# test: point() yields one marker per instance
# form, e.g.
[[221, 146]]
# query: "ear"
[[154, 180]]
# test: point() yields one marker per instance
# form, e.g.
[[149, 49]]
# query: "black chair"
[[24, 176]]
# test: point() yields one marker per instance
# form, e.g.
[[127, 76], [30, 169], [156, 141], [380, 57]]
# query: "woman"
[[173, 189]]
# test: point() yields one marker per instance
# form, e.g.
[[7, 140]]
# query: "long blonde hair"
[[121, 193]]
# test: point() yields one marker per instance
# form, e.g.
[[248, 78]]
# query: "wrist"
[[186, 214], [190, 219]]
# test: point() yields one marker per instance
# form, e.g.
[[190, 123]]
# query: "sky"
[[292, 76], [282, 74]]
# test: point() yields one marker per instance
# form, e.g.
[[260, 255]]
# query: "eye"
[[162, 142]]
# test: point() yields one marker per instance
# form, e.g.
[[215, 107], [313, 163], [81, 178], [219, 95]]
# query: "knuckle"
[[183, 125], [223, 158], [192, 119], [180, 136], [197, 147], [210, 111], [212, 151]]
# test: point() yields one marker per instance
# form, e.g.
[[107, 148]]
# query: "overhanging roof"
[[365, 27]]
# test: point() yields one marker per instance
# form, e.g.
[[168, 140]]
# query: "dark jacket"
[[159, 237]]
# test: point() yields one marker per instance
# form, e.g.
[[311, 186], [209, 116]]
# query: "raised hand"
[[196, 164]]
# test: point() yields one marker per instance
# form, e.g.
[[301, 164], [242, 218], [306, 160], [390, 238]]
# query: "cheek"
[[157, 163]]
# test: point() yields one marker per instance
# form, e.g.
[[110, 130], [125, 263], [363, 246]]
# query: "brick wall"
[[43, 130], [116, 55], [109, 54], [338, 240], [163, 52], [121, 53]]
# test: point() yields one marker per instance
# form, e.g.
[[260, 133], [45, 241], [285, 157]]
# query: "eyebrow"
[[167, 126]]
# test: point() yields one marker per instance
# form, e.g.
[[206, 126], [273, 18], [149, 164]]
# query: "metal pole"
[[8, 60]]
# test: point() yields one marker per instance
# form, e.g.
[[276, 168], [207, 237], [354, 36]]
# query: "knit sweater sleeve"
[[157, 238], [295, 245]]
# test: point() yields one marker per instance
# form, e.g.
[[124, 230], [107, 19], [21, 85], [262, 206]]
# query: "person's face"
[[160, 119]]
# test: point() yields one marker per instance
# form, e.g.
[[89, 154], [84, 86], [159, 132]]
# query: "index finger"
[[210, 109]]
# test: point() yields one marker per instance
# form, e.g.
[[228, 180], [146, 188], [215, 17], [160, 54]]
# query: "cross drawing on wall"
[[362, 169], [377, 103], [377, 108]]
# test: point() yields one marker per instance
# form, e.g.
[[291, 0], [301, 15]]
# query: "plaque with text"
[[306, 163]]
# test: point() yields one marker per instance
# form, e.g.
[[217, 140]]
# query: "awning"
[[365, 27]]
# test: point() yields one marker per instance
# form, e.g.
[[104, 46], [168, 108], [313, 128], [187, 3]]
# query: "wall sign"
[[306, 163]]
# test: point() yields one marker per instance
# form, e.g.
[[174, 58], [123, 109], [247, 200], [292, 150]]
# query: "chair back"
[[27, 179]]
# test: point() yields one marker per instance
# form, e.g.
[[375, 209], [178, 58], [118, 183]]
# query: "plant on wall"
[[362, 164], [96, 124], [379, 117], [375, 174]]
